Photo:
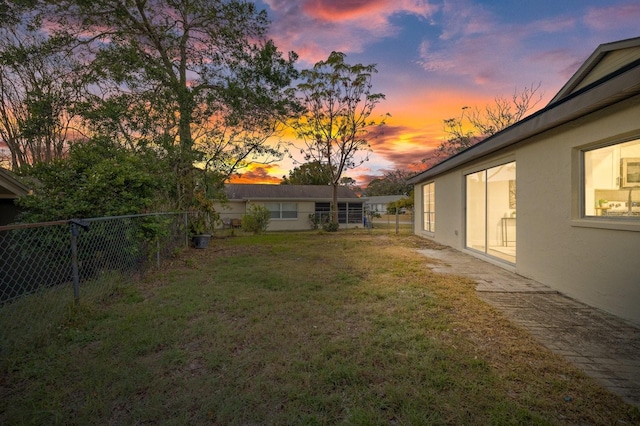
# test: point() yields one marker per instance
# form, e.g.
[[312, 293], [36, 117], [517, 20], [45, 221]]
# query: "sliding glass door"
[[491, 211]]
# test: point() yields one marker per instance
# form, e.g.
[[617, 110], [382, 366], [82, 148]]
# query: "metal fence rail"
[[46, 268]]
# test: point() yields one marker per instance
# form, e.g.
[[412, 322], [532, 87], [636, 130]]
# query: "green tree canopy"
[[98, 178], [311, 173], [197, 78], [392, 183]]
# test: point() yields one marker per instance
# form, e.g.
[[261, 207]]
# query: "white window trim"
[[424, 213], [578, 215], [280, 210]]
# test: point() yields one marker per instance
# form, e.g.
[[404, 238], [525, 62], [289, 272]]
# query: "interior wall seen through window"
[[611, 181], [491, 211], [429, 199]]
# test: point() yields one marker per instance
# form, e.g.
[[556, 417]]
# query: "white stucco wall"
[[237, 209], [594, 261]]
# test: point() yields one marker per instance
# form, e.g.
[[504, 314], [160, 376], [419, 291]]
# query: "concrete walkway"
[[604, 346]]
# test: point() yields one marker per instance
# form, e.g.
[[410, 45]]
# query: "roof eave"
[[608, 92], [592, 61], [12, 184]]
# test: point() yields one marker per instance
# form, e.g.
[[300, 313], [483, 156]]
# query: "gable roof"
[[10, 187], [247, 192], [583, 94], [607, 59]]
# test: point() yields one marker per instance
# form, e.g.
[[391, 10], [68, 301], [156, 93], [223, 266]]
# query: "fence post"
[[74, 262], [74, 255], [186, 229], [397, 221]]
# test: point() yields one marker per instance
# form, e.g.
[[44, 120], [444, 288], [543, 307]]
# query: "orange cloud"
[[434, 60], [258, 173]]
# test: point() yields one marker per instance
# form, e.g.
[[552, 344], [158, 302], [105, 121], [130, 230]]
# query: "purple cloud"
[[314, 28]]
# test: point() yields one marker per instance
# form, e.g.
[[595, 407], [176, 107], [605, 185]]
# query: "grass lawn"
[[296, 328]]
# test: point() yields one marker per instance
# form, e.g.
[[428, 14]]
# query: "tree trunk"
[[186, 156], [334, 203]]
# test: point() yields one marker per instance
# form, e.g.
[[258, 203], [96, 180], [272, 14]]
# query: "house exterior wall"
[[230, 210], [301, 223], [594, 261], [237, 209]]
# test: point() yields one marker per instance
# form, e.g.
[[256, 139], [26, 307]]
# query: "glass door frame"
[[495, 211]]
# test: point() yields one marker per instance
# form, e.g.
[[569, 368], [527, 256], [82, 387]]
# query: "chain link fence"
[[47, 268]]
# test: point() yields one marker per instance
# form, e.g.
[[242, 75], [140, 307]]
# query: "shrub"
[[256, 220], [330, 226]]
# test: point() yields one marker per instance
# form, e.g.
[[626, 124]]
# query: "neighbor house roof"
[[610, 75], [383, 199], [10, 187], [247, 192]]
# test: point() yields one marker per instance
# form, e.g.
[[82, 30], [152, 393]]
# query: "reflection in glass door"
[[491, 211]]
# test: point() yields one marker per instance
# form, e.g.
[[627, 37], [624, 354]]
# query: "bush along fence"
[[47, 268]]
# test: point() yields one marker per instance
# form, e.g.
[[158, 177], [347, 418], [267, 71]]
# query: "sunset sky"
[[434, 57]]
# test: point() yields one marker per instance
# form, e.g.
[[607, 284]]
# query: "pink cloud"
[[555, 25], [340, 10], [463, 18], [483, 58], [605, 19], [314, 28]]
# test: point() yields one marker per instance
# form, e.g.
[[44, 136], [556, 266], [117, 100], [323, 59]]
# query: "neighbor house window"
[[347, 212], [429, 198], [282, 210], [612, 181]]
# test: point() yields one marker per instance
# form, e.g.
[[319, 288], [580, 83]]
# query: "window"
[[611, 181], [429, 198], [347, 212], [282, 210], [491, 211]]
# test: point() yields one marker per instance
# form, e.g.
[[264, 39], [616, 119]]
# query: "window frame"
[[429, 224], [580, 218], [280, 213], [488, 210]]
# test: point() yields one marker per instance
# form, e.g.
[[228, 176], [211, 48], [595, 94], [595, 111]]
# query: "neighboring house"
[[556, 196], [291, 205], [379, 203], [10, 189]]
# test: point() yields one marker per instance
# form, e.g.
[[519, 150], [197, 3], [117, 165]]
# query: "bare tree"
[[505, 112], [37, 93], [475, 124]]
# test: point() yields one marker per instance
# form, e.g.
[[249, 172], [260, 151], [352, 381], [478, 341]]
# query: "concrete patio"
[[602, 345]]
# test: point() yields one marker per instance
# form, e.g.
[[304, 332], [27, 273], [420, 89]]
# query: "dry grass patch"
[[299, 328]]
